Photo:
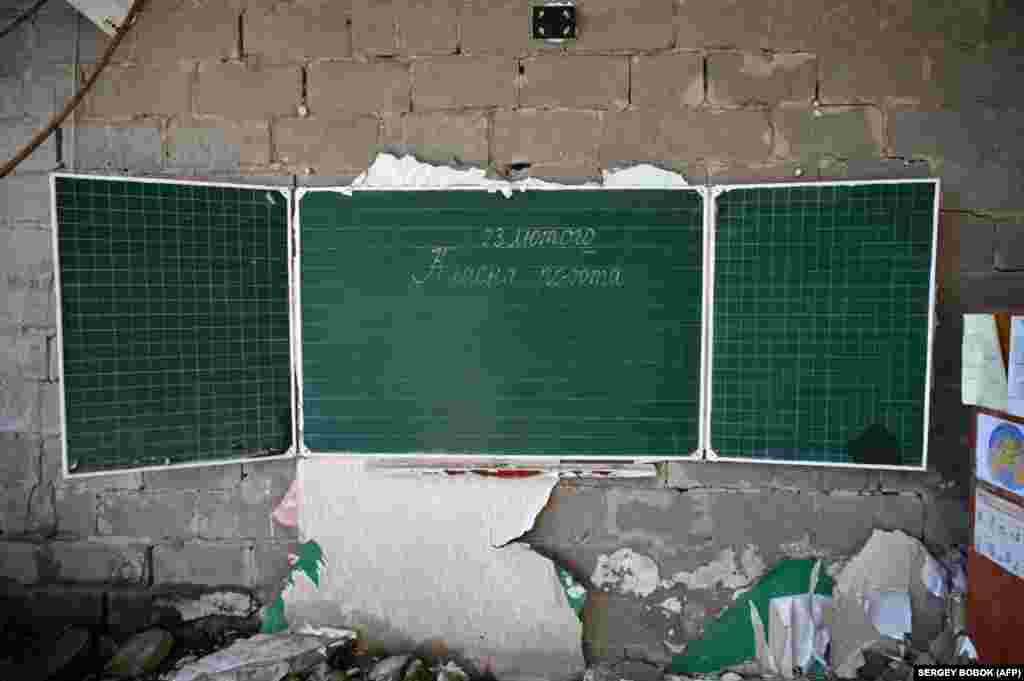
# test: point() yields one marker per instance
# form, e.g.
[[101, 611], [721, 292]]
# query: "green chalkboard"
[[174, 322], [821, 322], [560, 323]]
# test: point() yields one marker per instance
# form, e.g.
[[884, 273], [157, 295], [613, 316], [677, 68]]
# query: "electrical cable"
[[57, 120], [25, 16]]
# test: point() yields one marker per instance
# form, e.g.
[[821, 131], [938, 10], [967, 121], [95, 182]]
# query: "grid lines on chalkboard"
[[821, 323], [494, 365], [175, 322]]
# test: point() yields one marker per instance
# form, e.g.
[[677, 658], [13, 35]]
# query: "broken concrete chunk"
[[194, 605], [389, 669], [141, 654], [264, 657]]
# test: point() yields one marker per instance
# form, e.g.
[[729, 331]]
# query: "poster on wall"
[[999, 453], [1015, 380], [999, 531], [983, 374]]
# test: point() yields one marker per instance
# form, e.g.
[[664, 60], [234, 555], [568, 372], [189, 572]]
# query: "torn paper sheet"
[[999, 531], [880, 592], [983, 375], [414, 558], [1015, 404], [391, 172]]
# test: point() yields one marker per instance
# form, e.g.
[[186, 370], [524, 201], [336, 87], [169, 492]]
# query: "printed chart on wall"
[[821, 316], [999, 453], [549, 323], [999, 531], [174, 322]]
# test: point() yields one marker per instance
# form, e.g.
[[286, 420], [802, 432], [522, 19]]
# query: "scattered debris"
[[195, 605], [389, 669], [141, 654], [264, 657]]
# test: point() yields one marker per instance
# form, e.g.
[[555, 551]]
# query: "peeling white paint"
[[413, 558], [723, 571], [628, 571], [801, 548], [672, 606], [390, 172]]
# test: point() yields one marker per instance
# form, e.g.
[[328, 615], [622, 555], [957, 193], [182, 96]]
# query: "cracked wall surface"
[[310, 91]]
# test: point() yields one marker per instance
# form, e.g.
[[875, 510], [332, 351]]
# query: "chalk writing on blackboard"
[[488, 275], [536, 237]]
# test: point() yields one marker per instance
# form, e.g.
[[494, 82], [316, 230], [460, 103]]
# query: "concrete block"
[[870, 77], [208, 563], [591, 82], [978, 75], [991, 290], [428, 27], [135, 148], [979, 243], [766, 520], [783, 25], [842, 523], [25, 200], [248, 92], [199, 148], [170, 31], [947, 521], [873, 169], [19, 561], [442, 136], [105, 482], [666, 81], [684, 135], [147, 516], [327, 145], [49, 409], [284, 33], [76, 512], [743, 79], [1009, 250], [742, 476], [99, 562], [632, 25], [48, 87], [19, 465], [901, 512], [131, 91], [615, 626], [271, 567], [236, 514], [973, 149], [55, 606], [454, 82], [23, 352], [129, 609], [16, 133], [845, 132], [546, 137], [19, 405], [494, 27], [198, 478], [358, 87], [12, 96], [374, 27]]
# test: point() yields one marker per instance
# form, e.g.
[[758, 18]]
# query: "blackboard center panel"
[[174, 322], [554, 323], [821, 323]]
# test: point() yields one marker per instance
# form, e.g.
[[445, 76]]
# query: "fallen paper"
[[1016, 369], [999, 453], [889, 612], [999, 531], [983, 376]]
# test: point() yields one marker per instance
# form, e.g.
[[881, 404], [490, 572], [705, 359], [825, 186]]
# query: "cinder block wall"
[[721, 91]]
